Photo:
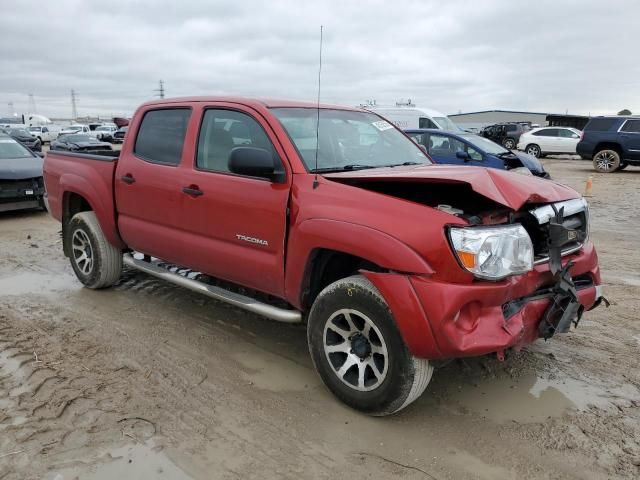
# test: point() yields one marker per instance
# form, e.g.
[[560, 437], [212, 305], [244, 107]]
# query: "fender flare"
[[361, 241], [95, 195]]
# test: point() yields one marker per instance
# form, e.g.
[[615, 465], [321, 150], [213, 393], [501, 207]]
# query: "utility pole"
[[74, 108], [32, 104], [160, 90]]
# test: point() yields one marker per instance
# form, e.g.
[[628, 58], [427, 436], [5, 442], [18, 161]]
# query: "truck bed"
[[91, 177]]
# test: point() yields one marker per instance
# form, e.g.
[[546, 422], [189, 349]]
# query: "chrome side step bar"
[[232, 298]]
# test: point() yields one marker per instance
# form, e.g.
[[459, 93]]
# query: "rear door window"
[[547, 132], [631, 126], [161, 135]]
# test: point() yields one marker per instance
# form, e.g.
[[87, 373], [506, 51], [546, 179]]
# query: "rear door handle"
[[128, 178], [193, 191]]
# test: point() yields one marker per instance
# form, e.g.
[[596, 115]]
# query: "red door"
[[234, 226]]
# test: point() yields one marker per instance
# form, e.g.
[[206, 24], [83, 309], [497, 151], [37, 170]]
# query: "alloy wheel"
[[605, 160], [82, 253], [355, 349]]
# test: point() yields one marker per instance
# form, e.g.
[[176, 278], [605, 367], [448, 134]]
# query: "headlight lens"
[[493, 252]]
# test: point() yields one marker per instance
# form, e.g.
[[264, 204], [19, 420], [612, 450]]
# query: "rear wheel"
[[358, 351], [606, 161], [96, 262], [534, 150]]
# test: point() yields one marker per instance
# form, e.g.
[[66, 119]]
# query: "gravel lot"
[[147, 380]]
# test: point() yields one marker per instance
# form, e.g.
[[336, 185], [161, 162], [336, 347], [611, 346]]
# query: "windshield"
[[485, 144], [76, 138], [447, 124], [347, 139], [9, 148]]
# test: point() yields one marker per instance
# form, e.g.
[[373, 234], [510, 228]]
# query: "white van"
[[412, 117]]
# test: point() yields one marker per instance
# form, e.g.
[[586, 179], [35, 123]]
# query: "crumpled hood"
[[20, 168], [509, 189]]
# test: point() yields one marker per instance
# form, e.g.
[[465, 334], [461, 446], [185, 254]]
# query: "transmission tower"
[[74, 108], [160, 91], [32, 104]]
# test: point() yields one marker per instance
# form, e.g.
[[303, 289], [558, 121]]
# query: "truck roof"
[[250, 102]]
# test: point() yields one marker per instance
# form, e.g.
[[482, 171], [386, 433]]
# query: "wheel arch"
[[330, 249], [609, 146]]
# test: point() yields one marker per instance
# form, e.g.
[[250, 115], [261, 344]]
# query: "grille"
[[536, 222]]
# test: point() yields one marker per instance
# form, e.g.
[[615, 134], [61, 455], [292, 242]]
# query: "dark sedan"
[[118, 136], [77, 142], [21, 184], [25, 138]]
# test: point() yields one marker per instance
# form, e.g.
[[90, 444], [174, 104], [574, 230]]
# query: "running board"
[[232, 298]]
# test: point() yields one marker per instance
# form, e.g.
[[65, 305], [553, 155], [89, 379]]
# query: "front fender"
[[370, 244], [100, 198]]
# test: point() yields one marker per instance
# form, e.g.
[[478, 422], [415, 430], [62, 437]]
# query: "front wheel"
[[96, 262], [606, 161], [358, 351], [509, 143], [534, 150]]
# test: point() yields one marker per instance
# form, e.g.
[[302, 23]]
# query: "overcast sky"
[[547, 56]]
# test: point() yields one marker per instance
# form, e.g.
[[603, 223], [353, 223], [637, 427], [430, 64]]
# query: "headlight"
[[493, 252]]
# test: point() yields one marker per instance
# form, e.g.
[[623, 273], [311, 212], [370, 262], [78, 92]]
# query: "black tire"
[[509, 143], [533, 149], [403, 377], [84, 235], [606, 161]]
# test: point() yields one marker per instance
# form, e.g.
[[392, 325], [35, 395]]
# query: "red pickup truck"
[[331, 216]]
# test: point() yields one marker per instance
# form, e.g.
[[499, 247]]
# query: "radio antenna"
[[315, 180]]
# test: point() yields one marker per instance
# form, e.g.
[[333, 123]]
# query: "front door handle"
[[128, 178], [193, 191]]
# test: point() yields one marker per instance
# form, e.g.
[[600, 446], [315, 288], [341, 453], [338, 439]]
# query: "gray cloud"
[[541, 56]]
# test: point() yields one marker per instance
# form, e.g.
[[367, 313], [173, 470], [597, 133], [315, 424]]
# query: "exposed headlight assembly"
[[493, 253]]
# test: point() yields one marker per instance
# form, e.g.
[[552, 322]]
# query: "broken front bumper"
[[443, 320]]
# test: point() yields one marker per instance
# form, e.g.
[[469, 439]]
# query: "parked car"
[[44, 133], [470, 149], [410, 117], [613, 143], [393, 262], [23, 136], [105, 132], [118, 136], [549, 140], [74, 129], [21, 183], [79, 142], [506, 134]]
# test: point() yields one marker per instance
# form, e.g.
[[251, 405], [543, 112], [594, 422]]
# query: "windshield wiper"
[[352, 166], [404, 164]]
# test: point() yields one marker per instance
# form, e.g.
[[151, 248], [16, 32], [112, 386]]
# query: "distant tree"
[[626, 111]]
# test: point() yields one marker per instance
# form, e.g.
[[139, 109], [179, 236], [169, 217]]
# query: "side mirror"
[[254, 162], [463, 155]]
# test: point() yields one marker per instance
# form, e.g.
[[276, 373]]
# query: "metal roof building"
[[489, 117]]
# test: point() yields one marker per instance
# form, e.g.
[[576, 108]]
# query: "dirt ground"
[[149, 381]]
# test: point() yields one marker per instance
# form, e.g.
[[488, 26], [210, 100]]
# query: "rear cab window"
[[161, 135]]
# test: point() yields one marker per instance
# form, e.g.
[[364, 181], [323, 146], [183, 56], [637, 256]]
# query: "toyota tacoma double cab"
[[613, 143], [332, 217]]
